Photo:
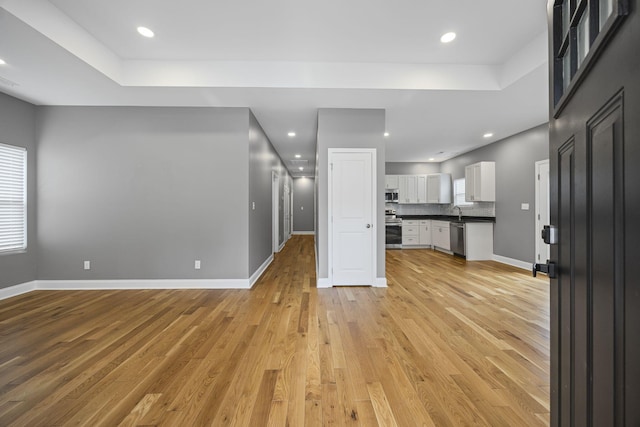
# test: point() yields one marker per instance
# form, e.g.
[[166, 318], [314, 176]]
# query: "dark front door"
[[595, 203]]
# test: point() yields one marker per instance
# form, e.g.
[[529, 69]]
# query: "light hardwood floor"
[[447, 343]]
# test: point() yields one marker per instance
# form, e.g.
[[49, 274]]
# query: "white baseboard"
[[381, 282], [512, 262], [323, 282], [69, 285], [308, 233], [14, 291], [256, 275], [78, 285]]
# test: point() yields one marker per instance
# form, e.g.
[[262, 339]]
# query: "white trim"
[[512, 262], [374, 202], [381, 282], [538, 223], [256, 275], [14, 291], [323, 282], [69, 285], [304, 233], [275, 210], [281, 246]]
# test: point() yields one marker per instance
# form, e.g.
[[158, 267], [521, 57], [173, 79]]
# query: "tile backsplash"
[[477, 209]]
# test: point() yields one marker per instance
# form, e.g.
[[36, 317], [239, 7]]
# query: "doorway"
[[542, 209], [352, 201], [275, 215]]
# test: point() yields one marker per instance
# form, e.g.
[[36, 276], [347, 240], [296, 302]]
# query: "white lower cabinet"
[[440, 235], [478, 241], [410, 233], [425, 232]]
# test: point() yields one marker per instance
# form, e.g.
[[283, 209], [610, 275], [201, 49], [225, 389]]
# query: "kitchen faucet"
[[459, 212]]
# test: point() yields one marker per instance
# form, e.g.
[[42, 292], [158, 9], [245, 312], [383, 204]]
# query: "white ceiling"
[[286, 58]]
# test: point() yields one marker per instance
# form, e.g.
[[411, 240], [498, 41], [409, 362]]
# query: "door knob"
[[368, 225]]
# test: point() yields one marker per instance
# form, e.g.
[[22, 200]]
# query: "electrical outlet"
[[253, 205], [87, 265], [524, 206], [197, 264]]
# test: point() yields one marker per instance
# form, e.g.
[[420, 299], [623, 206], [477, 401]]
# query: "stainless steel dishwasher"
[[456, 233]]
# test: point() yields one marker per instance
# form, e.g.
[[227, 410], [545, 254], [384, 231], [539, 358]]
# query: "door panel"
[[606, 168], [595, 203], [352, 247]]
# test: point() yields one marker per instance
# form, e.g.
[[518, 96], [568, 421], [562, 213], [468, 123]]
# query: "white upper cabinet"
[[439, 188], [422, 188], [434, 188], [391, 182], [408, 190], [480, 182]]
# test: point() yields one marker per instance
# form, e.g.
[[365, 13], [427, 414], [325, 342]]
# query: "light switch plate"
[[524, 206], [87, 265]]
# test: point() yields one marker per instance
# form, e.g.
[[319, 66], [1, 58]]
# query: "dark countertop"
[[450, 218]]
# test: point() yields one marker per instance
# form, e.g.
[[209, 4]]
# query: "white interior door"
[[287, 213], [351, 213], [542, 209], [275, 197]]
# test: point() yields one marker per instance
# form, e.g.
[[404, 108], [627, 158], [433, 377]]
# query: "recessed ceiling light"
[[145, 32], [292, 134], [386, 134], [301, 168], [431, 159], [448, 37], [2, 62], [298, 156], [487, 135]]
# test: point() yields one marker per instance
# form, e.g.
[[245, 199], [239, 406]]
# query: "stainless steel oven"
[[391, 196], [393, 228]]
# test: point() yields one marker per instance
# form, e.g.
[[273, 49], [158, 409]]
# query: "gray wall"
[[348, 128], [303, 204], [515, 157], [411, 168], [263, 159], [142, 192], [17, 127]]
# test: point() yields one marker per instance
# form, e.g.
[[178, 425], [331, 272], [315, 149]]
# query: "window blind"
[[13, 198]]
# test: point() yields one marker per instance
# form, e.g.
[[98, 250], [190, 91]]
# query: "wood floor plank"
[[448, 343]]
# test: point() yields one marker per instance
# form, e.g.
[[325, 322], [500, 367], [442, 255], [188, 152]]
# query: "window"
[[13, 198], [580, 29], [458, 193]]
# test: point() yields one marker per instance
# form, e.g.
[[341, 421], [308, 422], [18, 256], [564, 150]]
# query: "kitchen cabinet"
[[480, 182], [410, 233], [412, 189], [416, 232], [439, 188], [391, 182], [440, 235], [424, 232], [422, 189], [478, 241]]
